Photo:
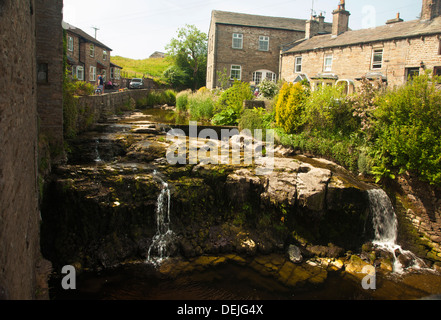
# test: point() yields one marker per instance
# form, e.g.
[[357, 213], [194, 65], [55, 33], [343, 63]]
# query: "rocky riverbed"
[[305, 218]]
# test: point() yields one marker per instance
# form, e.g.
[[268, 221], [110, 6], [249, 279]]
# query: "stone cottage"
[[88, 57], [392, 52], [247, 47]]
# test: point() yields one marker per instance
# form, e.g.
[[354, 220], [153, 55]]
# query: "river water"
[[234, 282], [230, 281]]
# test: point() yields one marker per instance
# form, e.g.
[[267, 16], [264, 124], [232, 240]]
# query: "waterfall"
[[97, 153], [163, 239], [386, 230]]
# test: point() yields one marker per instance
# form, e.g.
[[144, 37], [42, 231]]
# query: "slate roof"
[[395, 31], [84, 35], [250, 20]]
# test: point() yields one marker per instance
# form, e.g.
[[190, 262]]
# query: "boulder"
[[294, 254]]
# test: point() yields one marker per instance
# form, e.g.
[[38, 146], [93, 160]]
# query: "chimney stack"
[[431, 9], [340, 23], [314, 26], [396, 20]]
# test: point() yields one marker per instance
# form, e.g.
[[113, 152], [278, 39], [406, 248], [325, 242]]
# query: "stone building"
[[88, 57], [30, 103], [392, 52], [247, 47]]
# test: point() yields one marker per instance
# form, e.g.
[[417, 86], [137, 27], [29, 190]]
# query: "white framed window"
[[80, 73], [263, 43], [104, 55], [92, 50], [257, 77], [104, 74], [70, 43], [237, 41], [117, 73], [377, 59], [328, 63], [298, 65], [112, 73], [92, 74], [236, 72]]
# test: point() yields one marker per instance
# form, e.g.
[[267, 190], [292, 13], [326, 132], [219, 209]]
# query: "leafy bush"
[[290, 106], [226, 117], [408, 125], [155, 98], [268, 88], [327, 109], [257, 118], [234, 97]]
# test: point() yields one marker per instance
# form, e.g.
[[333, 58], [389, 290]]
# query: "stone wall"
[[49, 48], [19, 214], [355, 61], [100, 108]]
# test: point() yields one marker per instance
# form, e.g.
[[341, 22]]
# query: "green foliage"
[[234, 97], [289, 106], [80, 88], [182, 101], [268, 89], [408, 125], [257, 118], [327, 109], [157, 97], [189, 54], [226, 117], [201, 105], [176, 77]]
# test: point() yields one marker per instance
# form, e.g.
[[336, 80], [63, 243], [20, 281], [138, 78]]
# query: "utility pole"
[[96, 29]]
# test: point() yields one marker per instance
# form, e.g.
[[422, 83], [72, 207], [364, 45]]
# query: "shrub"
[[408, 125], [226, 117], [289, 106], [268, 88], [327, 109], [257, 118], [234, 97]]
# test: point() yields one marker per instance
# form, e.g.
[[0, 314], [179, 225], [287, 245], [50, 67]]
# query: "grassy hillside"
[[132, 68]]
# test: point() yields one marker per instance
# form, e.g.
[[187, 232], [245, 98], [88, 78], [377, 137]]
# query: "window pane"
[[377, 59], [263, 43], [236, 72], [257, 77], [237, 41], [328, 63], [298, 65]]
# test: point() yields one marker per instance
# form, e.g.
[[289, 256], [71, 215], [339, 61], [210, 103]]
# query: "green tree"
[[189, 53]]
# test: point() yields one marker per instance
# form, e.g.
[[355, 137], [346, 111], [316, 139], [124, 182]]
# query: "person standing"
[[101, 84]]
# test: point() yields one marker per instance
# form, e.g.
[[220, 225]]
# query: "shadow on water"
[[231, 282]]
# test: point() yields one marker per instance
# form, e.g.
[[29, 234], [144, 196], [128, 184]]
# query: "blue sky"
[[137, 28]]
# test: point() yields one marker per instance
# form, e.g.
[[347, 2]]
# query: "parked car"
[[136, 83]]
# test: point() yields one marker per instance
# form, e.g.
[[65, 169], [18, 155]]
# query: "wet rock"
[[311, 188], [295, 254]]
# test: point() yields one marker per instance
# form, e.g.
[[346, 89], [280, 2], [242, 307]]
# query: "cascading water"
[[160, 247], [97, 153], [386, 230]]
